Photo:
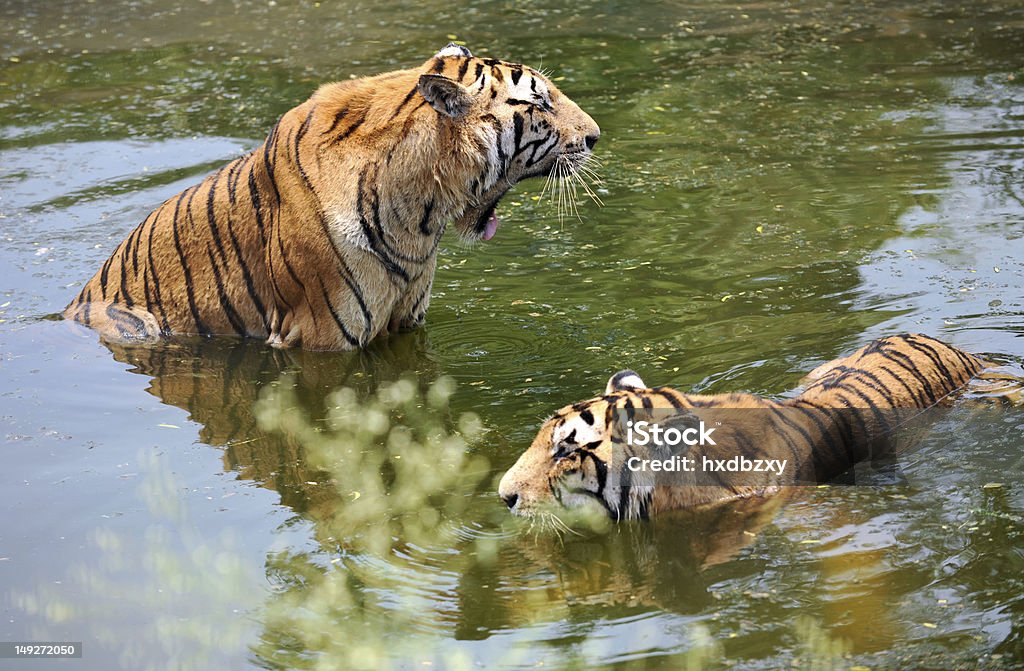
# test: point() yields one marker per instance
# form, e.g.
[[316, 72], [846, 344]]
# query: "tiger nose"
[[510, 500], [592, 139]]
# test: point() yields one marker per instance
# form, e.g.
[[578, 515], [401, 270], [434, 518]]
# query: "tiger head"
[[522, 127], [569, 462]]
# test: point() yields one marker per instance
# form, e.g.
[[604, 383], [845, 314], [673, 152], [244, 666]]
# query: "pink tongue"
[[492, 226]]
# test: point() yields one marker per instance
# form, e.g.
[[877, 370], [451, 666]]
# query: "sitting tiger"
[[841, 417], [327, 234]]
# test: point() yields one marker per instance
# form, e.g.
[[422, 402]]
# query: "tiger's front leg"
[[411, 309]]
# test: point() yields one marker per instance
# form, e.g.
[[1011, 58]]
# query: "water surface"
[[782, 182]]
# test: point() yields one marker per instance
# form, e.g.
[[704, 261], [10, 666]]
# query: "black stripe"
[[916, 395], [103, 275], [378, 225], [81, 295], [669, 395], [532, 144], [970, 362], [123, 318], [780, 413], [337, 120], [233, 174], [462, 69], [907, 364], [225, 302], [372, 237], [276, 231], [408, 97], [747, 448], [337, 319], [254, 196], [303, 129], [349, 278], [156, 278], [138, 238], [825, 431], [211, 218], [517, 126], [419, 301], [146, 292], [268, 146], [935, 357], [625, 482], [287, 265], [87, 311], [518, 101], [124, 285], [838, 416], [250, 285], [517, 74], [190, 291], [348, 131], [851, 411], [873, 382], [796, 455], [191, 191], [600, 468], [425, 220], [534, 159]]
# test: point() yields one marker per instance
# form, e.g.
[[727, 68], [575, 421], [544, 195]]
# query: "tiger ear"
[[624, 379], [444, 95], [452, 49]]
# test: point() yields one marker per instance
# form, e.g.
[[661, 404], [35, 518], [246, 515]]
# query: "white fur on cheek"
[[488, 137], [584, 433]]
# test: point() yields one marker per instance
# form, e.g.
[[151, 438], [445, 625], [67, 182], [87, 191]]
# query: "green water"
[[782, 182]]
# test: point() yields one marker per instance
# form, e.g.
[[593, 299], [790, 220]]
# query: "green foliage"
[[400, 471]]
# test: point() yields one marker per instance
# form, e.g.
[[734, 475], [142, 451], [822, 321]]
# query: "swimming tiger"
[[842, 416], [327, 234]]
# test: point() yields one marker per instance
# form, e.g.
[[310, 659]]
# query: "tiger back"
[[842, 415], [327, 234]]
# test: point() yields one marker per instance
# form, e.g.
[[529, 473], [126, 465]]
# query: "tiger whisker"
[[555, 519], [560, 183], [591, 193], [572, 180], [592, 174], [578, 178], [552, 524]]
